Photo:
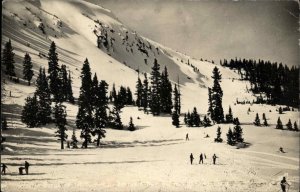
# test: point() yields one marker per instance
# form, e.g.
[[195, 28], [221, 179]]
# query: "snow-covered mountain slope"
[[155, 157], [75, 25]]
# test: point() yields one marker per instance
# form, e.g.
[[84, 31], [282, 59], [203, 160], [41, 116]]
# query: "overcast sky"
[[215, 30]]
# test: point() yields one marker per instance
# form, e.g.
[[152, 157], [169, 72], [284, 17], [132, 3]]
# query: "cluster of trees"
[[289, 125], [215, 94], [236, 135], [279, 83], [8, 61], [158, 95], [257, 120], [122, 97], [193, 119], [56, 87]]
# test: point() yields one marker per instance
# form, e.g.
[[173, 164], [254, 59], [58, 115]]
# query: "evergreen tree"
[[185, 119], [195, 118], [43, 97], [53, 71], [70, 97], [145, 93], [236, 121], [74, 140], [94, 90], [131, 125], [63, 76], [289, 125], [296, 126], [139, 92], [29, 112], [210, 104], [265, 119], [60, 122], [165, 92], [189, 120], [229, 116], [155, 91], [219, 139], [115, 119], [100, 118], [257, 120], [84, 119], [279, 124], [176, 100], [8, 59], [280, 110], [175, 119], [27, 68], [129, 99], [230, 137], [238, 133], [206, 121], [216, 96], [114, 93]]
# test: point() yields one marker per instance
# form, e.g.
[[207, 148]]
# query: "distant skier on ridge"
[[191, 158]]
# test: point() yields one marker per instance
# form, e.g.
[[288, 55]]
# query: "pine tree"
[[139, 92], [100, 118], [189, 120], [131, 126], [175, 119], [27, 68], [155, 91], [70, 97], [265, 119], [230, 137], [176, 99], [279, 124], [29, 112], [296, 126], [210, 104], [94, 90], [63, 76], [74, 140], [60, 122], [53, 71], [236, 121], [238, 133], [195, 118], [43, 98], [129, 99], [219, 139], [8, 59], [257, 120], [289, 125], [165, 92], [216, 96], [84, 119], [115, 119], [185, 119], [114, 93], [145, 93], [229, 116], [280, 110], [206, 121]]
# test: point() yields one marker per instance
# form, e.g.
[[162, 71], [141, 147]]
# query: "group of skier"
[[26, 168], [202, 157]]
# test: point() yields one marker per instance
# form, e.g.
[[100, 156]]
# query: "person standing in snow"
[[201, 158], [187, 137], [26, 167], [283, 184], [191, 158], [4, 167], [214, 159]]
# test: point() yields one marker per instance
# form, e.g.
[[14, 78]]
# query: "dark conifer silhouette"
[[296, 126], [216, 96], [155, 89], [131, 126], [74, 140], [279, 124], [139, 91], [60, 122], [175, 119], [219, 139], [8, 59], [165, 92], [27, 68], [257, 120], [29, 112], [289, 125]]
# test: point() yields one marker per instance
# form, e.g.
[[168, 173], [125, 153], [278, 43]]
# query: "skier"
[[214, 158], [283, 184], [281, 150], [26, 167], [191, 158], [4, 167], [201, 158], [187, 137]]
